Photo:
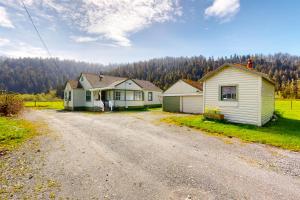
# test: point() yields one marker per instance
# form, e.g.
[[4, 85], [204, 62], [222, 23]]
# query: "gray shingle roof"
[[110, 81]]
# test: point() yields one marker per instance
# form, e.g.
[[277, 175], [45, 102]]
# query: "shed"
[[184, 96], [242, 94]]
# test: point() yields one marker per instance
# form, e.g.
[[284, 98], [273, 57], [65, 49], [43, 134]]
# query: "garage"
[[184, 96], [171, 104], [192, 104]]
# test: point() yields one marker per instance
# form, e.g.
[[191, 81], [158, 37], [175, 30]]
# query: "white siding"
[[85, 84], [128, 85], [181, 87], [267, 103], [79, 98], [67, 103], [157, 98], [246, 108]]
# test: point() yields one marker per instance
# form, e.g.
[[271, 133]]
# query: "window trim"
[[229, 100], [150, 99], [66, 96], [90, 96], [119, 95], [138, 92]]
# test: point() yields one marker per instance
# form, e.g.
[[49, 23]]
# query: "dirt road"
[[134, 156]]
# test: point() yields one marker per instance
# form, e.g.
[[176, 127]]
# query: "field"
[[284, 133], [13, 131], [56, 105]]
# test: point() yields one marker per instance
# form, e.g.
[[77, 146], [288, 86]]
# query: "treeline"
[[283, 68], [35, 75]]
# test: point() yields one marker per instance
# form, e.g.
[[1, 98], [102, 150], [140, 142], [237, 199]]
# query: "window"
[[228, 93], [66, 96], [150, 96], [88, 96], [118, 95], [81, 79], [138, 95], [70, 95]]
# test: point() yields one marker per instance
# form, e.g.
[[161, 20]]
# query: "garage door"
[[171, 104], [192, 104]]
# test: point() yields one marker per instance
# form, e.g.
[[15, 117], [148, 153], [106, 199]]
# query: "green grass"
[[13, 131], [56, 105], [284, 133]]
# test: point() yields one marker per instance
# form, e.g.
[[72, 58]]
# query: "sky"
[[121, 31]]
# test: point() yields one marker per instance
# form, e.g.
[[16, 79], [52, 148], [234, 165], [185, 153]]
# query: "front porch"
[[110, 99]]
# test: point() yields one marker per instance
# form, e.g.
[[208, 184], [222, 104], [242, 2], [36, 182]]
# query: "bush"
[[213, 114], [10, 104]]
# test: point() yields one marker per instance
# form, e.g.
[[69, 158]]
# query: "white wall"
[[157, 98], [68, 103], [79, 97], [246, 108], [85, 84], [267, 101], [181, 87], [129, 85]]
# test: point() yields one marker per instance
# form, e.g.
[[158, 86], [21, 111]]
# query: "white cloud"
[[223, 9], [4, 41], [110, 20], [82, 39], [4, 19], [20, 49]]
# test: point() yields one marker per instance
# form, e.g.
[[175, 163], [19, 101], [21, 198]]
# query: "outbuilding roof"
[[238, 66], [195, 84]]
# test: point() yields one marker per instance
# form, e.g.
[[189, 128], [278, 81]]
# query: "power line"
[[38, 33]]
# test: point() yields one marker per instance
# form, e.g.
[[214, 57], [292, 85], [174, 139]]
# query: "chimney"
[[100, 76], [249, 64]]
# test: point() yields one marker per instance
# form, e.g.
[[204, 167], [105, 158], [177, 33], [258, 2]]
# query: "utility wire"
[[37, 31]]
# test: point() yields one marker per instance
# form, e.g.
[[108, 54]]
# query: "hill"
[[35, 75]]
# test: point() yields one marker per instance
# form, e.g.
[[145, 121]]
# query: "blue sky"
[[114, 31]]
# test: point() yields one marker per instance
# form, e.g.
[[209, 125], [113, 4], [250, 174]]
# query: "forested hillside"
[[283, 68], [34, 75]]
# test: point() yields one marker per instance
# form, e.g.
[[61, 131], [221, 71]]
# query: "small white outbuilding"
[[184, 96], [242, 94]]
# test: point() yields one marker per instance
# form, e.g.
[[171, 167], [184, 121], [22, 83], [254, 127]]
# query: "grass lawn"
[[56, 105], [284, 133], [13, 131]]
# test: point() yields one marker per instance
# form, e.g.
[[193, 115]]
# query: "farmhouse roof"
[[102, 81], [237, 66], [74, 84]]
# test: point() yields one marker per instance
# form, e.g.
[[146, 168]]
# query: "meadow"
[[284, 132], [55, 105], [13, 131]]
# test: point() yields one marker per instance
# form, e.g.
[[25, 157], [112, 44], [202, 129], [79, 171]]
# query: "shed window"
[[150, 96], [228, 93], [70, 95], [88, 96], [118, 95]]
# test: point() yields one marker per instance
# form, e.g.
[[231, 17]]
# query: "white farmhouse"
[[241, 93], [99, 93]]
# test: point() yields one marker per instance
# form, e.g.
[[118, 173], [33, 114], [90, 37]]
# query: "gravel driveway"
[[134, 156]]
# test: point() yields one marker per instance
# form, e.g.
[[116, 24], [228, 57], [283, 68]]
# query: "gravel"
[[134, 156]]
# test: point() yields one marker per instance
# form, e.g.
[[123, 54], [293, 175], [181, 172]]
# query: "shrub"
[[10, 104], [213, 114]]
